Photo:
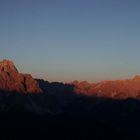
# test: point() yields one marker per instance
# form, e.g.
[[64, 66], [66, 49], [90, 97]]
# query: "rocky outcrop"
[[12, 80]]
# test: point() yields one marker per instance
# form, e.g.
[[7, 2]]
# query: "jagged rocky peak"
[[7, 66], [12, 80]]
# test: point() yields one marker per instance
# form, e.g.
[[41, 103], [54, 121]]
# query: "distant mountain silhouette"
[[12, 80]]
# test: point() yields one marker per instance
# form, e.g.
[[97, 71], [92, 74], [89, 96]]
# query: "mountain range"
[[118, 89], [12, 80]]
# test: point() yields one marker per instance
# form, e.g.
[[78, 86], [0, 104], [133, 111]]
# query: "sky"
[[66, 40]]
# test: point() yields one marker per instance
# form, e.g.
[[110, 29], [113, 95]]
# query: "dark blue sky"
[[64, 40]]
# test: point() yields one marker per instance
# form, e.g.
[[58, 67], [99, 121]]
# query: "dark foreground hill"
[[68, 117]]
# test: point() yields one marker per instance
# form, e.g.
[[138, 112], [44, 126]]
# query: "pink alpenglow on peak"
[[120, 89], [7, 66], [12, 80]]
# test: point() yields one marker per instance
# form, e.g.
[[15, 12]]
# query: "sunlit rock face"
[[12, 80], [120, 89], [7, 66]]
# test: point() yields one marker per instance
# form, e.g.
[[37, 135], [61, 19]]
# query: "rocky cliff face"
[[12, 80]]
